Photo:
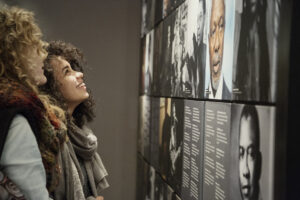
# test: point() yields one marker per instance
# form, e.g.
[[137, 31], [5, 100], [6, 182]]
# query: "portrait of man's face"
[[249, 159], [216, 38]]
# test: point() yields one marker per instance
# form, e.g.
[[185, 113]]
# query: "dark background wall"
[[108, 34]]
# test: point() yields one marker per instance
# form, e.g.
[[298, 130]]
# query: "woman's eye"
[[67, 71]]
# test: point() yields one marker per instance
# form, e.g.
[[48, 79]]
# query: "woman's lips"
[[81, 85]]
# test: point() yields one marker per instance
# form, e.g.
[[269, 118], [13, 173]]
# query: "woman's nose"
[[79, 74]]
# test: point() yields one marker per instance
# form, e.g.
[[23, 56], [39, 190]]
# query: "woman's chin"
[[41, 80]]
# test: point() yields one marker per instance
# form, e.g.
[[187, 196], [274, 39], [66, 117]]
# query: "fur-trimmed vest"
[[17, 99]]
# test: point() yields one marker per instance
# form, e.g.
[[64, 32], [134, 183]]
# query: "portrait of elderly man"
[[250, 158], [217, 88]]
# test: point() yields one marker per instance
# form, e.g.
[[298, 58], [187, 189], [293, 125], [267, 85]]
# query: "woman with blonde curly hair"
[[32, 130]]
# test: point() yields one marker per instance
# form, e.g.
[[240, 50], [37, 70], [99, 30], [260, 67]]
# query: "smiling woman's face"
[[70, 82]]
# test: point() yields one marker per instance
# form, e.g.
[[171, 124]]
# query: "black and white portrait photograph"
[[254, 75], [252, 165], [189, 50], [147, 63], [196, 46], [172, 142], [220, 36], [175, 144]]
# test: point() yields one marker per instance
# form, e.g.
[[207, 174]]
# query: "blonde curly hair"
[[19, 36]]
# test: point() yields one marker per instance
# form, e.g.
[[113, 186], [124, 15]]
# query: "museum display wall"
[[209, 105]]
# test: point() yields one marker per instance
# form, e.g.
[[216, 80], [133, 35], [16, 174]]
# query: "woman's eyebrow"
[[65, 67]]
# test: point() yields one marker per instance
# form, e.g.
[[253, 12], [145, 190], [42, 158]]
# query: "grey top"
[[21, 160]]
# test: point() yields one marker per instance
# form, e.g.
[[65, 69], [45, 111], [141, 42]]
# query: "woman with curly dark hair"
[[64, 71], [32, 129]]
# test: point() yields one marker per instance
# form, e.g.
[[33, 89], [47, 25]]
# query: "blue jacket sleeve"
[[21, 160]]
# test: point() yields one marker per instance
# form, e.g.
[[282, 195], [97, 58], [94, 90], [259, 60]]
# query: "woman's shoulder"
[[21, 159], [20, 125], [19, 119], [20, 138], [19, 135]]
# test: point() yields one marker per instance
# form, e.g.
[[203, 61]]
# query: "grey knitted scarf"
[[83, 144]]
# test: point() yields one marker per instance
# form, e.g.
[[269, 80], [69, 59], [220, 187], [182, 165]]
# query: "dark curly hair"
[[84, 112]]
